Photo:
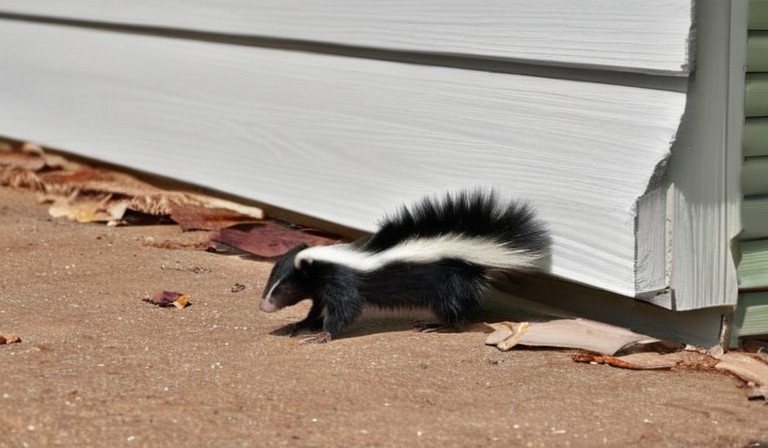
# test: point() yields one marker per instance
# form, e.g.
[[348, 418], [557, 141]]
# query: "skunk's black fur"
[[438, 254]]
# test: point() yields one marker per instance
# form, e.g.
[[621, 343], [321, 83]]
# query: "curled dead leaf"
[[167, 299], [9, 339], [625, 362], [32, 148], [583, 334], [181, 302], [751, 369], [681, 359]]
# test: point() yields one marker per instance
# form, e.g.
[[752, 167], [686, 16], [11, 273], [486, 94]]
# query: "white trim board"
[[704, 198], [345, 139], [650, 36]]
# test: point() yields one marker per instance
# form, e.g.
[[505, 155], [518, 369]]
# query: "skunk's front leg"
[[342, 305], [310, 324]]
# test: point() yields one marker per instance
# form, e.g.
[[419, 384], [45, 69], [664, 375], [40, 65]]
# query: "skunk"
[[439, 254]]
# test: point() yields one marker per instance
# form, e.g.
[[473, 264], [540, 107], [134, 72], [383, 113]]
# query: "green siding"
[[753, 269], [755, 217], [754, 177], [758, 15], [755, 142], [757, 51], [751, 317], [756, 95]]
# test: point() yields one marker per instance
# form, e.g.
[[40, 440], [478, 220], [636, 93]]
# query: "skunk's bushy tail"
[[475, 214]]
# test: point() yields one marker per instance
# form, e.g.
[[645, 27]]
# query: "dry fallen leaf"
[[268, 240], [584, 334], [752, 369], [652, 362], [181, 302], [169, 298], [197, 217], [9, 339]]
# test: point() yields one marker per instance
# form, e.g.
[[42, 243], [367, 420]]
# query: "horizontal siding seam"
[[625, 76]]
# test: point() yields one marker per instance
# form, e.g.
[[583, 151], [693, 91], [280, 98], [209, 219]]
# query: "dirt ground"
[[97, 366]]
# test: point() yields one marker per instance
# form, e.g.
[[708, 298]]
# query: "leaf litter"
[[85, 194], [619, 347]]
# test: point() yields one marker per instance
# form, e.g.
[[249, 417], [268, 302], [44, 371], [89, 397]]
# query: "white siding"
[[642, 36]]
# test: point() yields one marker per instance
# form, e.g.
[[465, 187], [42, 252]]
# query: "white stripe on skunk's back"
[[480, 251]]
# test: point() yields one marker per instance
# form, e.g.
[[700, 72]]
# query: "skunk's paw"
[[430, 327], [317, 338]]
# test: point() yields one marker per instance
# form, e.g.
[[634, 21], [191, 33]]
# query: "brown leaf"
[[86, 209], [268, 240], [15, 159], [20, 178], [652, 361], [195, 217], [90, 180], [9, 339], [624, 363], [27, 160], [167, 299]]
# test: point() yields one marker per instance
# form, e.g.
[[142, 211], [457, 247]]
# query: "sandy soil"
[[97, 366]]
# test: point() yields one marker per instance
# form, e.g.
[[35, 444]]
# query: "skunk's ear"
[[294, 252], [291, 254], [303, 268]]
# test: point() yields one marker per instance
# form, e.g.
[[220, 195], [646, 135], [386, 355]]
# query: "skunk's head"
[[287, 285]]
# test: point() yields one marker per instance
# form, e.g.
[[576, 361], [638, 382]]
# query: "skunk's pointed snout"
[[267, 305]]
